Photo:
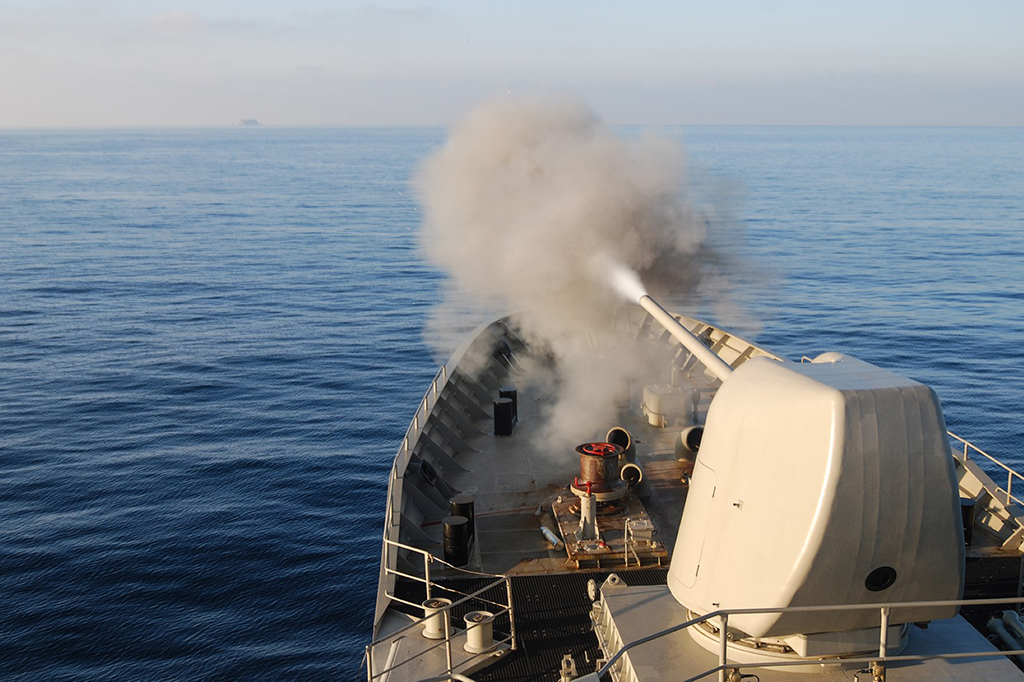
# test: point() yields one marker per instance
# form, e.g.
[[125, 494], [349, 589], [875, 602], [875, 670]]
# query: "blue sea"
[[212, 342]]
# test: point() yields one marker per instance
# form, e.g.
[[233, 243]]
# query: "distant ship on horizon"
[[248, 122]]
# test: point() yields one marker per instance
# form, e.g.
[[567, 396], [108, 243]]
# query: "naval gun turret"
[[821, 483]]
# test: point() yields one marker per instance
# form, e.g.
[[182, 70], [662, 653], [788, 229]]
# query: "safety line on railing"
[[447, 609], [1010, 473], [724, 614]]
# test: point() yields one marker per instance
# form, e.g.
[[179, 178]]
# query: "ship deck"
[[520, 484], [553, 619], [515, 485]]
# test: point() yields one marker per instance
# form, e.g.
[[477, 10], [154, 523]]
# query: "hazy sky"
[[314, 62]]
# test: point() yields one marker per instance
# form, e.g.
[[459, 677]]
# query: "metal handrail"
[[425, 405], [724, 668], [412, 433], [411, 436], [416, 427], [370, 675], [428, 559], [1010, 473], [884, 611]]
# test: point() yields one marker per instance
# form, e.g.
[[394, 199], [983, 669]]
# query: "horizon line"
[[220, 126]]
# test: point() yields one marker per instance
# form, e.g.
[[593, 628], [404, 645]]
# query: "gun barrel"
[[715, 364]]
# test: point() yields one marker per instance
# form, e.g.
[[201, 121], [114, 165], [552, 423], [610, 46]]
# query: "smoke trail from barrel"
[[535, 206], [625, 281]]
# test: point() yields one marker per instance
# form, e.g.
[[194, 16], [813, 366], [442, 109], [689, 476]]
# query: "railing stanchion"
[[369, 663], [883, 636], [511, 613], [723, 645], [883, 645], [1010, 473], [426, 571], [448, 636]]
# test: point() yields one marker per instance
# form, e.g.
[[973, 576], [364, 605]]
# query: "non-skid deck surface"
[[552, 620], [515, 479]]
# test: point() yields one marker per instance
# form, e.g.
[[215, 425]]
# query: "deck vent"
[[632, 475], [688, 444], [621, 437]]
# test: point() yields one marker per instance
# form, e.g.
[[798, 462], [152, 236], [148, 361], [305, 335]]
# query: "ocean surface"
[[212, 342]]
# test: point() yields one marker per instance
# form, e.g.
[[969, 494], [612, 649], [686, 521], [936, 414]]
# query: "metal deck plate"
[[612, 520]]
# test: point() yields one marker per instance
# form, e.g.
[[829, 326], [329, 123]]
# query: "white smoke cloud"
[[531, 205]]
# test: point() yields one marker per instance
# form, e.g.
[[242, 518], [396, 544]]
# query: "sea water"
[[212, 342]]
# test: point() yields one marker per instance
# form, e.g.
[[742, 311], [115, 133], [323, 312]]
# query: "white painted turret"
[[820, 483]]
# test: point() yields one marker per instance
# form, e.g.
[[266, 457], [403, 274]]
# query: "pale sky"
[[314, 62]]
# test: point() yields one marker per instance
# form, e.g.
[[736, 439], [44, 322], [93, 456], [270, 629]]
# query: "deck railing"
[[412, 435], [424, 408], [432, 586], [969, 447], [724, 668]]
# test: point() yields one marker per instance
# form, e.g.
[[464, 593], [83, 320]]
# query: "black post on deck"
[[462, 505], [456, 540], [504, 416]]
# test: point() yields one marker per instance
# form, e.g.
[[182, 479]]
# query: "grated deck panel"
[[552, 619]]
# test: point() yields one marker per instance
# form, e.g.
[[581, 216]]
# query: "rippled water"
[[904, 247], [211, 344]]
